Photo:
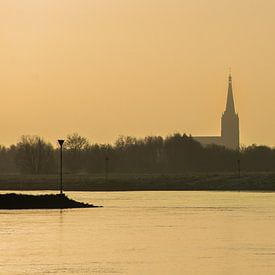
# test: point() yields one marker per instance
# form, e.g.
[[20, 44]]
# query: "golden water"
[[144, 233]]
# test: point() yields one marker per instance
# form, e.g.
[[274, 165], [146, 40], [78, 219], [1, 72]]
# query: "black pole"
[[61, 141], [61, 171]]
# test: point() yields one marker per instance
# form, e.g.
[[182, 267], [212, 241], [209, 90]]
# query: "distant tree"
[[74, 149], [95, 158], [6, 160], [75, 142], [177, 153], [219, 158], [258, 158], [153, 154], [34, 155], [182, 153]]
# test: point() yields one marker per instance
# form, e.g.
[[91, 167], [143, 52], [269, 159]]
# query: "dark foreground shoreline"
[[143, 182], [58, 201]]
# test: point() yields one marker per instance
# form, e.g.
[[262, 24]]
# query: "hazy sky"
[[103, 68]]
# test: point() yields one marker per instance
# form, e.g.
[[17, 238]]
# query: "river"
[[143, 233]]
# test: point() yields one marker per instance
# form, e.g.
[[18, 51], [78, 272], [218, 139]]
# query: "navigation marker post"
[[61, 141]]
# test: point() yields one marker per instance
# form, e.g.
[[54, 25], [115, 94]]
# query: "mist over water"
[[143, 233]]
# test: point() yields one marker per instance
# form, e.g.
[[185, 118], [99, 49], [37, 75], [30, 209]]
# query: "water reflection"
[[144, 233], [59, 239]]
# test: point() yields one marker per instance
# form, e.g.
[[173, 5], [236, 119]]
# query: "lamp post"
[[61, 141]]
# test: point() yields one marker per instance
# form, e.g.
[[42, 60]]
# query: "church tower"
[[230, 122]]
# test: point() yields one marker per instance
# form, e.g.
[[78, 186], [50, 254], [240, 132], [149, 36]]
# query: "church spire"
[[230, 107]]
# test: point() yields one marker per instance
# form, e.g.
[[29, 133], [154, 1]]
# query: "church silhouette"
[[230, 133]]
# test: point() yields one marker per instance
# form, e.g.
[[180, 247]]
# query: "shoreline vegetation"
[[142, 182], [49, 201], [177, 153]]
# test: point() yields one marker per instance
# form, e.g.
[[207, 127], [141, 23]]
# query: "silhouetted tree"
[[219, 158], [182, 153], [176, 153], [258, 158], [34, 155], [95, 156], [7, 160], [74, 148]]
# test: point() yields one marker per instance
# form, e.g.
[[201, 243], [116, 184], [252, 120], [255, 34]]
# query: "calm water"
[[144, 233]]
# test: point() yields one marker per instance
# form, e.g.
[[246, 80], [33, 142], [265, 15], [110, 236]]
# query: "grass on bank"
[[134, 182]]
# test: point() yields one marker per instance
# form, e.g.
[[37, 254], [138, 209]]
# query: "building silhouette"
[[229, 125]]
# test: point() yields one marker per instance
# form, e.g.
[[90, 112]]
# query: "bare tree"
[[75, 142], [75, 147], [34, 155]]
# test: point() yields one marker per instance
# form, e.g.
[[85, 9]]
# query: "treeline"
[[153, 154]]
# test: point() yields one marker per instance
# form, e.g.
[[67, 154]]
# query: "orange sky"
[[103, 68]]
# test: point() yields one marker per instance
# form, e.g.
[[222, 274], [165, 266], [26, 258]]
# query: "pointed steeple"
[[230, 107]]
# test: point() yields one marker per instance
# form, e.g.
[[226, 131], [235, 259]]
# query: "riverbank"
[[142, 182], [51, 201]]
